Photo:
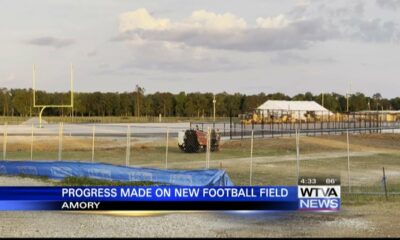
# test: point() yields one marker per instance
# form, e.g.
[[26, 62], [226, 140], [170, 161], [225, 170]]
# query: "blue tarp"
[[103, 171]]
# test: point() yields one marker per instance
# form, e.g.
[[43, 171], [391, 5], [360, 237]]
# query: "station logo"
[[319, 198]]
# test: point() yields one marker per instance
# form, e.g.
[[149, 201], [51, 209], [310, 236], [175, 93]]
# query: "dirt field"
[[274, 160], [274, 163]]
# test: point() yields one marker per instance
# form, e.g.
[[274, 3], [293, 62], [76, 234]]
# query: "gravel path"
[[62, 224]]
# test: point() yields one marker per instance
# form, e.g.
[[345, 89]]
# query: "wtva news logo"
[[319, 197]]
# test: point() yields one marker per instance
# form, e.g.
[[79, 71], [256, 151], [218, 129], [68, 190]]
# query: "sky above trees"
[[254, 46]]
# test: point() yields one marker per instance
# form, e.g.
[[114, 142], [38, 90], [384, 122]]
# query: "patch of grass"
[[366, 199]]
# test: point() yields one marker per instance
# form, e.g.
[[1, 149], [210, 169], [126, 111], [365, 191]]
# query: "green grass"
[[84, 181], [264, 172], [363, 199], [366, 170]]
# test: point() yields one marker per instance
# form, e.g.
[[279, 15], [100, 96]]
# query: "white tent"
[[295, 108]]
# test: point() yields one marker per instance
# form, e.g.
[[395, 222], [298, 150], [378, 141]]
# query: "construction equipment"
[[191, 140], [251, 118]]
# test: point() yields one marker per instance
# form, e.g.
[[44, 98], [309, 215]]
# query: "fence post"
[[60, 140], [298, 152], [166, 150], [307, 127], [322, 123], [262, 124], [32, 142], [348, 160], [128, 145], [315, 125], [241, 130], [230, 126], [291, 123], [281, 123], [251, 156], [208, 148], [328, 123], [384, 183], [224, 129], [272, 124], [5, 141], [93, 138]]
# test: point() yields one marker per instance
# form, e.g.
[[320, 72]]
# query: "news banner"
[[311, 194]]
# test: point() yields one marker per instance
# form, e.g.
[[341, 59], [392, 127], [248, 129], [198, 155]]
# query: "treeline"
[[18, 102]]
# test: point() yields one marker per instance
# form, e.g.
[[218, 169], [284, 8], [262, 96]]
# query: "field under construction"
[[324, 148], [359, 160]]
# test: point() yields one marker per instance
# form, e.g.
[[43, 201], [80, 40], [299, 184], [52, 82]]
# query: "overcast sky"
[[251, 46]]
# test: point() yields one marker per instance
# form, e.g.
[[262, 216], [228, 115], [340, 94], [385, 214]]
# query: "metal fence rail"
[[362, 124]]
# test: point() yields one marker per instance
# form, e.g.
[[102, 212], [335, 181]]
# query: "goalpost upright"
[[44, 106]]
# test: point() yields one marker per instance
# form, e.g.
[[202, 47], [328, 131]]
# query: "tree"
[[22, 101], [395, 103], [19, 101], [358, 102], [126, 103], [377, 98], [139, 92], [180, 100]]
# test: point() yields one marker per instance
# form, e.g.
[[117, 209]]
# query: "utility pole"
[[139, 92], [322, 99], [214, 101], [137, 101], [347, 96]]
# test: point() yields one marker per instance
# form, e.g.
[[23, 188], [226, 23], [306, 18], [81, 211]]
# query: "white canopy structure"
[[297, 109]]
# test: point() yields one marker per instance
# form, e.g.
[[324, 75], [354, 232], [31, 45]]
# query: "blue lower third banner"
[[160, 198]]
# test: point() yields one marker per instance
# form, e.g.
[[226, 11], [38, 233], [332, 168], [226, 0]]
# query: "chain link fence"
[[367, 160]]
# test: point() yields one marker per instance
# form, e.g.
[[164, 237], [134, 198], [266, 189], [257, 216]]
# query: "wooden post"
[[251, 156], [128, 146], [208, 148], [5, 141], [166, 150], [93, 138], [348, 160], [32, 142], [384, 182], [298, 153], [60, 140]]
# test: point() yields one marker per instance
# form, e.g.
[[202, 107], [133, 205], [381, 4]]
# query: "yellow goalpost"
[[42, 106]]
